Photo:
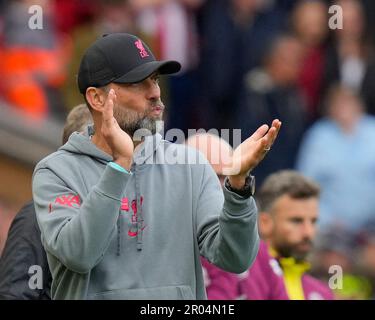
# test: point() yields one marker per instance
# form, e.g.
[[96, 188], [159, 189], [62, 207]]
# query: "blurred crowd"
[[245, 62]]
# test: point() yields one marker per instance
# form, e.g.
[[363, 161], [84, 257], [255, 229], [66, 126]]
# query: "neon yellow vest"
[[292, 274]]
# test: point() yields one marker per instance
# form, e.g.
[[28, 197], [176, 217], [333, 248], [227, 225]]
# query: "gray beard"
[[146, 125], [131, 122]]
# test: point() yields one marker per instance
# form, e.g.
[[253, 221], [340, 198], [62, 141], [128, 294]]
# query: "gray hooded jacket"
[[114, 235]]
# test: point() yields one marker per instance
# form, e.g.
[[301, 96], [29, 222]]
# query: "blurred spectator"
[[234, 36], [285, 4], [217, 151], [355, 287], [350, 59], [337, 153], [310, 25], [170, 28], [337, 255], [33, 62], [335, 246], [369, 10], [77, 120], [23, 247], [288, 206], [270, 93], [111, 17], [71, 13]]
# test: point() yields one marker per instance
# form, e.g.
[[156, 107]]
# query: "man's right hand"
[[117, 139]]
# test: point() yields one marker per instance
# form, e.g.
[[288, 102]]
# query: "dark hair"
[[285, 182], [77, 120]]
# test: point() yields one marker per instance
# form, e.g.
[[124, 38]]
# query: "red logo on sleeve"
[[68, 201]]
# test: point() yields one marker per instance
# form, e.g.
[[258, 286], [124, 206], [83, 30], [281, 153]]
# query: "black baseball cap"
[[120, 58]]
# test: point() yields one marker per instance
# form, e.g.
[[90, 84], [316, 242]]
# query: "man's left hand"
[[250, 152]]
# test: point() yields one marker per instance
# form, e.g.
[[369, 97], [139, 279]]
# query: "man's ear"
[[96, 98], [265, 224]]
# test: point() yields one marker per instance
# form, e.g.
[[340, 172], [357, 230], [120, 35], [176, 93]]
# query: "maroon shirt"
[[263, 281]]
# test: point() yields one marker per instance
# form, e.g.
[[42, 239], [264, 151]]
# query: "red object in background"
[[70, 13], [311, 79]]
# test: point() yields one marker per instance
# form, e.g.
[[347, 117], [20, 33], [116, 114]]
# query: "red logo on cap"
[[141, 48]]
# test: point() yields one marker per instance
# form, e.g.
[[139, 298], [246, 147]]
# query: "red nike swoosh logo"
[[133, 234]]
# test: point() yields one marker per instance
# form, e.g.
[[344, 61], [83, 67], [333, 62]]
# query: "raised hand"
[[118, 140], [250, 152]]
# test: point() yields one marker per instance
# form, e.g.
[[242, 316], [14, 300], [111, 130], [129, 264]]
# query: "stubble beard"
[[287, 250], [131, 121]]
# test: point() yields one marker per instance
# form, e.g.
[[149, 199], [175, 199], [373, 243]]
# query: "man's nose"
[[309, 230]]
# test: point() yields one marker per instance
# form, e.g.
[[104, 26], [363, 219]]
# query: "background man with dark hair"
[[288, 205]]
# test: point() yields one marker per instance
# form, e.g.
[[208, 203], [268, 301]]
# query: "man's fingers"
[[108, 106], [255, 148], [261, 131], [264, 145], [266, 142], [276, 124], [272, 133]]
